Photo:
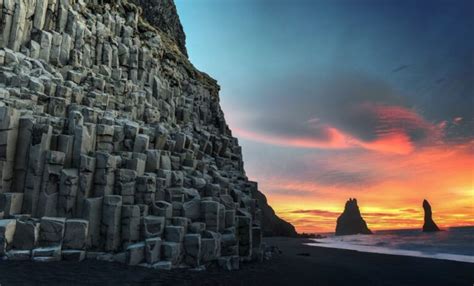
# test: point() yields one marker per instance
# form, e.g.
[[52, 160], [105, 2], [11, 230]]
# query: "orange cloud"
[[335, 139], [396, 118], [400, 160], [393, 131], [398, 143]]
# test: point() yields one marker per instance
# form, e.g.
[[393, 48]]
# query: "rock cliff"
[[162, 14], [112, 145], [272, 225], [351, 221], [429, 225]]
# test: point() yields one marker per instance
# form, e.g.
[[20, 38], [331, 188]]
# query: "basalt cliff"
[[113, 146]]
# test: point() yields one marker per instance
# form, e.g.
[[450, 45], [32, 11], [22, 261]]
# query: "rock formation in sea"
[[429, 225], [113, 146], [351, 221]]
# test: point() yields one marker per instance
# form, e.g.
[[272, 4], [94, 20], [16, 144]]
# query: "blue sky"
[[361, 80], [253, 47]]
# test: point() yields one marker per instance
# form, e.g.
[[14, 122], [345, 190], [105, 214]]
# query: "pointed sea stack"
[[351, 221], [429, 225]]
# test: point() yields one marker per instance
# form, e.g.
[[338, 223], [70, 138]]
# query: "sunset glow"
[[443, 174], [332, 101], [407, 160]]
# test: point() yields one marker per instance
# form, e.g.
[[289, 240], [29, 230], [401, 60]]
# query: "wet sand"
[[298, 264]]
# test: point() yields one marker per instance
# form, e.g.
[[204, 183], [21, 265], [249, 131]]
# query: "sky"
[[338, 99]]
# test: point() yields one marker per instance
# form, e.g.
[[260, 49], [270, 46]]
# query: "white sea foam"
[[456, 244]]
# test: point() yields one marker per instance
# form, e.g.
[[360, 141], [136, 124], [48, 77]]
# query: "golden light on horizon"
[[443, 176]]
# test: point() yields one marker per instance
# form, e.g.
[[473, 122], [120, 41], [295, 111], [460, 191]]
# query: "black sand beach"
[[297, 265]]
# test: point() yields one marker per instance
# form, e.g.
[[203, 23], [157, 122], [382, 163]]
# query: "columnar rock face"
[[429, 225], [111, 141], [351, 221]]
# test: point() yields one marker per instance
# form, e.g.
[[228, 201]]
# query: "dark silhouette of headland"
[[351, 221]]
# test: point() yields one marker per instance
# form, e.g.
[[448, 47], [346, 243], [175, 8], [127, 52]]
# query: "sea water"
[[455, 243]]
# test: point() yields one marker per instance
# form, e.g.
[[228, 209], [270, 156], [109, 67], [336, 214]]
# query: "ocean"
[[455, 243]]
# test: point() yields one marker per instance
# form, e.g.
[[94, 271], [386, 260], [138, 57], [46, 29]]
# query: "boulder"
[[171, 251], [192, 249], [7, 232], [229, 218], [152, 160], [93, 214], [174, 234], [135, 253], [51, 231], [192, 209], [210, 214], [181, 221], [130, 223], [26, 234], [111, 222], [152, 226], [76, 233], [152, 250], [11, 203], [68, 188], [229, 244], [162, 209], [196, 227], [210, 246], [244, 232], [256, 237], [40, 14]]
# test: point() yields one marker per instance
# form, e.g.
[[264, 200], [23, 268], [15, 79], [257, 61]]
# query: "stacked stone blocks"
[[111, 143]]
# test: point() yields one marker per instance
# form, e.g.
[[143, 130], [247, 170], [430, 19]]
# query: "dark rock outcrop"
[[429, 224], [272, 224], [162, 14], [351, 221]]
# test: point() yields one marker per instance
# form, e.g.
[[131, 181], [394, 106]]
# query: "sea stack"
[[351, 221], [429, 225]]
